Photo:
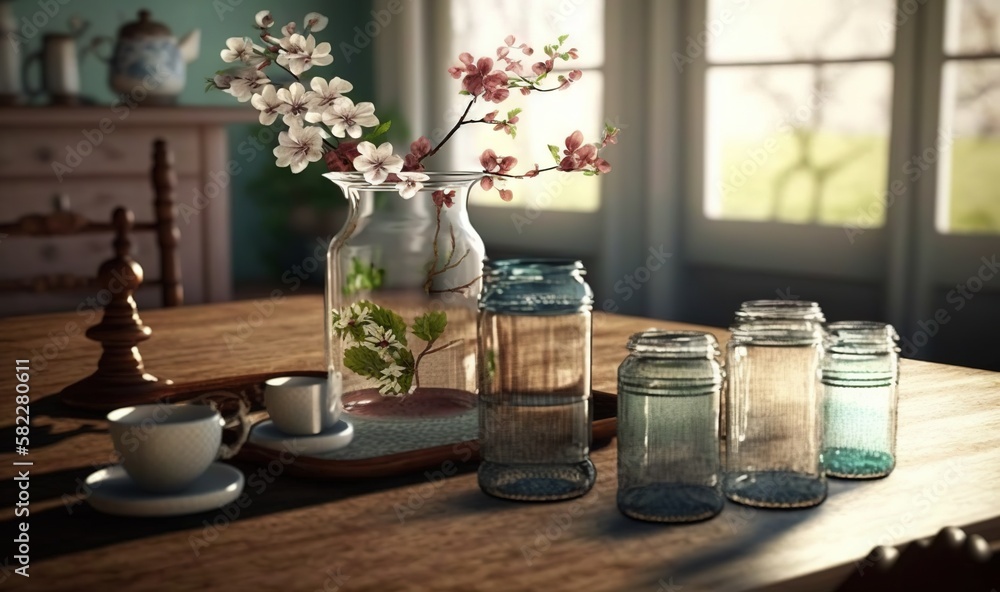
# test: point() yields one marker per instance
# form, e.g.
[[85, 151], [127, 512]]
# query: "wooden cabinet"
[[100, 157]]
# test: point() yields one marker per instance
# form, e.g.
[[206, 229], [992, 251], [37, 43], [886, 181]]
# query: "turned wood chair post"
[[168, 235], [121, 378]]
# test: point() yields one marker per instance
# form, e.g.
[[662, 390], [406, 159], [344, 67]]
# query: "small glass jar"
[[774, 411], [668, 427], [535, 407], [860, 378]]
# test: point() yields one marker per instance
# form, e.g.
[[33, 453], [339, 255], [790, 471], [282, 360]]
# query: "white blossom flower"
[[246, 83], [352, 316], [302, 53], [295, 102], [316, 22], [268, 103], [377, 163], [288, 30], [328, 92], [390, 387], [240, 49], [264, 19], [379, 339], [298, 147], [344, 117], [393, 370], [410, 183]]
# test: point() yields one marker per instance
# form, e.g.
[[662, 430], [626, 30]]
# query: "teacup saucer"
[[114, 492], [335, 437]]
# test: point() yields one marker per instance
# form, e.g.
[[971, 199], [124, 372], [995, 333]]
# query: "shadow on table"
[[52, 422], [74, 526]]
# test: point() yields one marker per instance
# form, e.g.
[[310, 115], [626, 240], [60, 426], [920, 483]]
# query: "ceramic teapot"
[[148, 57]]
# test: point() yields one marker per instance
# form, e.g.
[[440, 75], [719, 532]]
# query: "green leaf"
[[431, 325], [387, 319], [554, 150], [513, 131], [364, 362], [378, 132], [513, 113], [464, 92], [563, 38], [409, 369]]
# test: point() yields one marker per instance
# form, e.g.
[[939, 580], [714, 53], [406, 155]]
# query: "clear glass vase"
[[535, 408], [774, 405], [668, 427], [860, 376], [403, 281]]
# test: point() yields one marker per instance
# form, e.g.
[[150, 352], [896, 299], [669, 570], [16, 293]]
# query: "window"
[[968, 192], [798, 108], [479, 28]]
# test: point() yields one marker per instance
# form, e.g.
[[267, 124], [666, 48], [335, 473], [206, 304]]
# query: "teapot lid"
[[144, 27]]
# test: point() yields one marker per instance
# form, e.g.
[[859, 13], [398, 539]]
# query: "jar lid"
[[674, 344], [862, 337], [535, 287], [793, 310]]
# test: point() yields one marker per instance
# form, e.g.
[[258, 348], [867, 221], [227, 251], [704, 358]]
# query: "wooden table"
[[426, 532]]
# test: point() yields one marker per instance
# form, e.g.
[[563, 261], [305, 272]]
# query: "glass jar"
[[534, 380], [403, 281], [774, 412], [668, 427], [860, 378]]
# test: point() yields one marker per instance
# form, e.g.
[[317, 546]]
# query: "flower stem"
[[451, 132], [551, 168]]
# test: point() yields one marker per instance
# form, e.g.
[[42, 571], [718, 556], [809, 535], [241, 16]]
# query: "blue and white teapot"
[[148, 63]]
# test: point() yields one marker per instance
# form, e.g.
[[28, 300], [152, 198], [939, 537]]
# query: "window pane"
[[972, 26], [548, 118], [969, 175], [802, 144], [752, 30]]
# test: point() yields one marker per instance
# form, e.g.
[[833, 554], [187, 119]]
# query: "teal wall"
[[217, 20]]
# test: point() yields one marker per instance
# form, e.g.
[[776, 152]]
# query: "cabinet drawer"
[[82, 254], [62, 154]]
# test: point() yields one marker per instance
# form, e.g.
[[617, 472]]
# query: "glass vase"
[[860, 377], [535, 409], [668, 427], [774, 406], [403, 281]]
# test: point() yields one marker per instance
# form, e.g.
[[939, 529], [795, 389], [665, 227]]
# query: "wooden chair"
[[63, 222]]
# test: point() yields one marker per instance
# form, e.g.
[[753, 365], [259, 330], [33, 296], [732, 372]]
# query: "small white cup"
[[165, 448], [301, 405]]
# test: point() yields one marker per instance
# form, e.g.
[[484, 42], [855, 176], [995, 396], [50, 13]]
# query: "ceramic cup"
[[164, 448], [301, 405]]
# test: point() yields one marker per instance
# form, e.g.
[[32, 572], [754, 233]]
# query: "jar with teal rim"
[[535, 407], [860, 380]]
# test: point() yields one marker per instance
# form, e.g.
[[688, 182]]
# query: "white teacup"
[[165, 448], [301, 405]]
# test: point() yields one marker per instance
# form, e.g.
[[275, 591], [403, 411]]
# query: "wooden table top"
[[426, 532]]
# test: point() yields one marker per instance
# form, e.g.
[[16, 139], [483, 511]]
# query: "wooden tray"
[[461, 453]]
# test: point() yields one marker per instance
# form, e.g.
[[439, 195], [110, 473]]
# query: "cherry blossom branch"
[[524, 176], [451, 132], [428, 351]]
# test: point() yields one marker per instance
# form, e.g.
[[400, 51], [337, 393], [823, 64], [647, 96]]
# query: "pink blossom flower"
[[533, 172], [495, 87], [506, 194], [474, 81], [577, 154], [463, 66], [492, 163], [540, 68], [443, 198], [341, 158], [610, 137], [573, 54], [419, 148], [573, 76]]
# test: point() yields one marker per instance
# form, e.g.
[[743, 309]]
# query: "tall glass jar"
[[534, 380], [403, 281], [860, 376], [668, 427], [774, 405]]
